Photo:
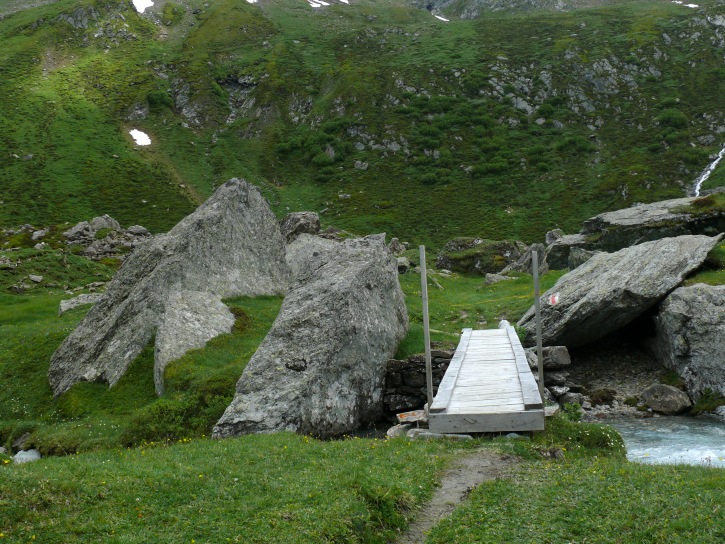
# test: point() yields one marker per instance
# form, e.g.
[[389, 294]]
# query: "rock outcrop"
[[691, 337], [321, 368], [557, 253], [611, 289], [525, 263], [612, 231], [297, 223], [103, 237], [230, 246], [478, 255], [647, 222]]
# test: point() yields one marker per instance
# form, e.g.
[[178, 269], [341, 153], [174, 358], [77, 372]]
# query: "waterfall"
[[706, 173]]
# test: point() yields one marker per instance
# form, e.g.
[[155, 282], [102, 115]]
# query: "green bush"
[[175, 418], [708, 402], [672, 118], [158, 100]]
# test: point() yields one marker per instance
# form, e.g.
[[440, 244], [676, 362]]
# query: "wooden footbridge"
[[488, 387]]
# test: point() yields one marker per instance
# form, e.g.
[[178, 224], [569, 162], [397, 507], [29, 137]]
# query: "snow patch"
[[141, 138], [141, 5], [441, 18]]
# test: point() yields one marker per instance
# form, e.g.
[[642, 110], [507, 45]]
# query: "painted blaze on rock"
[[321, 368], [230, 246]]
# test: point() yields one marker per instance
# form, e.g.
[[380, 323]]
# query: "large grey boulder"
[[190, 320], [665, 399], [611, 289], [321, 368], [230, 246], [691, 337]]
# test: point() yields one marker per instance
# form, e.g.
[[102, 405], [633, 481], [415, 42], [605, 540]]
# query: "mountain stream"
[[706, 172], [674, 440]]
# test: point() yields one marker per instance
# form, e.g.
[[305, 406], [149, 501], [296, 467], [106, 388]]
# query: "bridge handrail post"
[[537, 310], [426, 327]]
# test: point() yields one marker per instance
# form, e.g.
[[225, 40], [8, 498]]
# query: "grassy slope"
[[283, 485], [597, 500], [342, 71]]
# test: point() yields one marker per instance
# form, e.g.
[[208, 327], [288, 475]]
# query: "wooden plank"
[[501, 396], [531, 420], [473, 403], [449, 379], [488, 379], [530, 390], [513, 384]]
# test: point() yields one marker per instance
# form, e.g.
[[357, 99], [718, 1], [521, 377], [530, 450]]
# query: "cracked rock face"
[[321, 368], [691, 337], [611, 289], [230, 246]]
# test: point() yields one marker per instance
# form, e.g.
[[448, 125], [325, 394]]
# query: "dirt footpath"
[[464, 474]]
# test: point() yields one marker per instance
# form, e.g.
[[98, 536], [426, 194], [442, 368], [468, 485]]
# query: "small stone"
[[35, 279], [495, 278], [555, 378], [38, 234], [424, 434], [558, 390], [138, 230], [399, 430], [26, 456], [666, 399], [571, 398]]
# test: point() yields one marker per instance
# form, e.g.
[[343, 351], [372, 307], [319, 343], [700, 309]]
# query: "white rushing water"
[[141, 138], [702, 178], [141, 5], [674, 440]]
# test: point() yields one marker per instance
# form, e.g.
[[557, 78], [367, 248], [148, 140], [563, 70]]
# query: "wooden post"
[[537, 309], [426, 326]]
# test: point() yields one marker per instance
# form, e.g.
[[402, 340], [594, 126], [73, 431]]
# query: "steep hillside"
[[375, 113]]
